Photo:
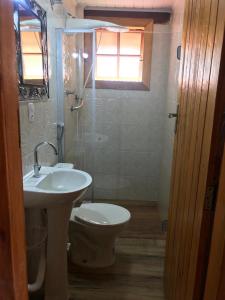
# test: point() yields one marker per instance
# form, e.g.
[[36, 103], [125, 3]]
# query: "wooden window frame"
[[144, 85]]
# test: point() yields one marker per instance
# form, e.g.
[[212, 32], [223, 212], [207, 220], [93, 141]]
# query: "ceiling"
[[128, 3]]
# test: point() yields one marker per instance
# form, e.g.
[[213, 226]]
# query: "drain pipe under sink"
[[33, 287]]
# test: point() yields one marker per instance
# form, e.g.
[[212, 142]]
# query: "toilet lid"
[[101, 214]]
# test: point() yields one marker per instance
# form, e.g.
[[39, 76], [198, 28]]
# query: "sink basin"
[[55, 190], [54, 187]]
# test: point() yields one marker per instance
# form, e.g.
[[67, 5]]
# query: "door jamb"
[[13, 274]]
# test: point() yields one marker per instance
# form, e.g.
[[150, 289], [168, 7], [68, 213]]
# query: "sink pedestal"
[[56, 285]]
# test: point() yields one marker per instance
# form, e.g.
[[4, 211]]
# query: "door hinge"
[[210, 197]]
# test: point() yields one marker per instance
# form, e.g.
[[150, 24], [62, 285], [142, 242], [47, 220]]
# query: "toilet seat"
[[102, 214]]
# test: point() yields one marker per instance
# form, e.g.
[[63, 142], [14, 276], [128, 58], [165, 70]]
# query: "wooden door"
[[13, 281], [215, 283], [190, 220]]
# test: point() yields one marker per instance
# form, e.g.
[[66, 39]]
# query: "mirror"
[[32, 56], [31, 49]]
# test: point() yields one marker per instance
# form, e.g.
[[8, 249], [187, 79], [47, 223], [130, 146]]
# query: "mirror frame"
[[31, 91]]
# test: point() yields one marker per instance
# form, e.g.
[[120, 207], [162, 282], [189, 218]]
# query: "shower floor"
[[138, 271]]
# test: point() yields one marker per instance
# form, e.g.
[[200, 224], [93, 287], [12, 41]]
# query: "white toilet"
[[93, 229]]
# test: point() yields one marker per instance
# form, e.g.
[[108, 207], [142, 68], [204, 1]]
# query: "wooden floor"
[[138, 271]]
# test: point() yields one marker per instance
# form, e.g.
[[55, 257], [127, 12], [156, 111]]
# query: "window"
[[123, 60], [119, 56]]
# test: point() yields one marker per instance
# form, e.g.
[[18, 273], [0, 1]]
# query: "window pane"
[[130, 69], [32, 66], [106, 42], [106, 68], [130, 43]]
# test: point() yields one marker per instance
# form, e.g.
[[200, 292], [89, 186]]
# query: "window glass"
[[129, 69], [106, 68], [130, 43], [106, 42]]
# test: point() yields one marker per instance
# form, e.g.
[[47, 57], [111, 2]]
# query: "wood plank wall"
[[202, 43], [13, 280]]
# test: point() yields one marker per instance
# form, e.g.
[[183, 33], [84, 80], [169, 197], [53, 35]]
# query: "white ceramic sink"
[[55, 190], [54, 187]]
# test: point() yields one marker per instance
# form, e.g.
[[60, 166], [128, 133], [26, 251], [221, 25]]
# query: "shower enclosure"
[[114, 135], [72, 132]]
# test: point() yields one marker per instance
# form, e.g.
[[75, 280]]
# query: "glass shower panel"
[[78, 123], [118, 136], [73, 72]]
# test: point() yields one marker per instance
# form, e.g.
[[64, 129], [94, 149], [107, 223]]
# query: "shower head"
[[89, 24], [73, 23]]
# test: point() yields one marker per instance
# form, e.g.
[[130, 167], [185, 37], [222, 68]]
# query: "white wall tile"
[[170, 106], [44, 126]]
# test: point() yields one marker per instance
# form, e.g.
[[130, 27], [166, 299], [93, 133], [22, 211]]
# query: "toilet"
[[93, 229]]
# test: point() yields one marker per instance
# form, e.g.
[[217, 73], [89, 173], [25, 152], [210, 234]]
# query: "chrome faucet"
[[37, 167]]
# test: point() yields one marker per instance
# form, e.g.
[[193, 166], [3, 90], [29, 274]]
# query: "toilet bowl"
[[93, 229]]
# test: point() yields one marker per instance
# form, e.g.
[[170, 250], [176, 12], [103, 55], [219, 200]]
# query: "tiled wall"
[[44, 126], [171, 106], [119, 139], [42, 129]]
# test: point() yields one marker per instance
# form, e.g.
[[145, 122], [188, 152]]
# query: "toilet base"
[[93, 229], [86, 252]]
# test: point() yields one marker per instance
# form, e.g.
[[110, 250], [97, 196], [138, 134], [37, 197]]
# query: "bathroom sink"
[[54, 187], [55, 190]]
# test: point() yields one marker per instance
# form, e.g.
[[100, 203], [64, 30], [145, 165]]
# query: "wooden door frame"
[[13, 278], [215, 282]]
